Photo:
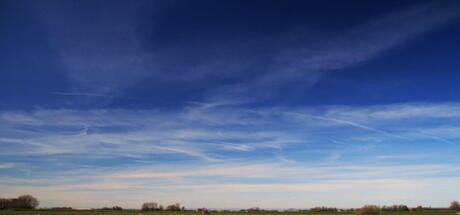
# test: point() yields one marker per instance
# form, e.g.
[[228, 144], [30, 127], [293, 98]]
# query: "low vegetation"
[[369, 210], [27, 204]]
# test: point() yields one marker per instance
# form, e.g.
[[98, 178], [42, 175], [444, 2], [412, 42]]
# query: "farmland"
[[133, 212]]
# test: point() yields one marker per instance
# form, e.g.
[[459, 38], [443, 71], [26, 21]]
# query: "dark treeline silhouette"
[[398, 208], [153, 206], [114, 208], [175, 207], [454, 205], [256, 209], [22, 202], [203, 211], [28, 202], [369, 210], [323, 209], [61, 208]]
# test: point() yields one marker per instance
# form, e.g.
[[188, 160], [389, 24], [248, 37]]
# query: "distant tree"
[[396, 208], [174, 207], [114, 208], [418, 208], [369, 210], [22, 202], [454, 205], [254, 209], [5, 203], [150, 206], [323, 209], [61, 208], [117, 208], [404, 208], [28, 202], [203, 211]]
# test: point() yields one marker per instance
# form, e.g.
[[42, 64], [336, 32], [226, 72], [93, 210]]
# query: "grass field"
[[127, 212]]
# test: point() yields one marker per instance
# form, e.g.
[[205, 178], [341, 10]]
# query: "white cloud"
[[102, 67], [229, 151], [7, 165], [374, 184], [201, 133], [309, 61]]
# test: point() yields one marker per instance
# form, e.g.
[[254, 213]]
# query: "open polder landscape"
[[229, 107], [136, 212]]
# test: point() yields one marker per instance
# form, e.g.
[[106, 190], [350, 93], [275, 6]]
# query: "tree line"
[[376, 210], [30, 202], [22, 202], [373, 209], [153, 206]]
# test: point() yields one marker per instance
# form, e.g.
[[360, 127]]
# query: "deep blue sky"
[[169, 53], [264, 103]]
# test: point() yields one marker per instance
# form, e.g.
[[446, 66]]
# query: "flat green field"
[[44, 212]]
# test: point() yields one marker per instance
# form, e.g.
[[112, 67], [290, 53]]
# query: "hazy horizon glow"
[[230, 104]]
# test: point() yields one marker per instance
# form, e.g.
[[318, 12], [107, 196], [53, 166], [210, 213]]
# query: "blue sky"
[[230, 104]]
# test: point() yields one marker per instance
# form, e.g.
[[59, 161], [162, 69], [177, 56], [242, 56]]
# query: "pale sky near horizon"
[[230, 104]]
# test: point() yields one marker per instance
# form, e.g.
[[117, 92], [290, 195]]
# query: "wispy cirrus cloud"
[[199, 132], [105, 62], [168, 183], [412, 111], [269, 150], [365, 41], [7, 165], [372, 191], [207, 143]]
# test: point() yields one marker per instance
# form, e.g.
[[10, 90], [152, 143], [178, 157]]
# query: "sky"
[[230, 104]]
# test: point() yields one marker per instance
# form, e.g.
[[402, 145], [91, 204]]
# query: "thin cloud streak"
[[123, 65], [166, 181], [229, 147], [356, 45], [144, 132], [7, 165]]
